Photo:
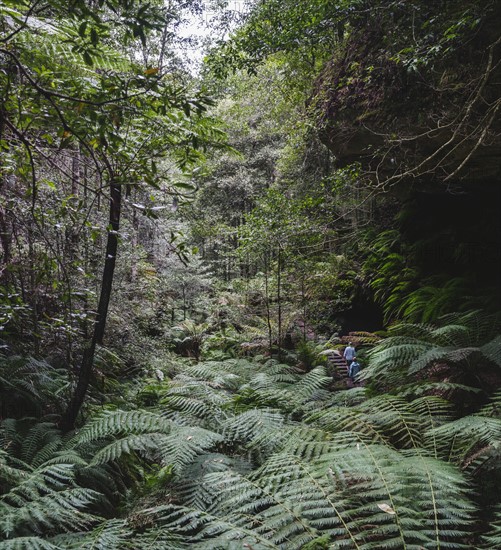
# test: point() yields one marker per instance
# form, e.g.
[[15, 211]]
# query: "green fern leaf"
[[126, 445], [184, 444], [111, 423], [27, 543]]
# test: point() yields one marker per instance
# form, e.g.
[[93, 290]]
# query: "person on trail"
[[354, 369], [349, 353]]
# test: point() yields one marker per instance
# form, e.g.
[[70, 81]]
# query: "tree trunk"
[[268, 313], [303, 299], [134, 246], [5, 239], [279, 301], [84, 376], [5, 234], [184, 304], [33, 289]]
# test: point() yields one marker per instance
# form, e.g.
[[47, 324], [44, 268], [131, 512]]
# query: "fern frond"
[[213, 531], [310, 384], [415, 331], [30, 384], [305, 442], [61, 510], [112, 534], [193, 488], [349, 398], [288, 393], [339, 419], [111, 423], [35, 443], [462, 345], [264, 380], [156, 538], [454, 440], [12, 471], [493, 538], [184, 444], [211, 370], [466, 358], [431, 411], [392, 417], [195, 402], [389, 361], [451, 335], [482, 326], [43, 480], [126, 445], [249, 425], [492, 351], [27, 543], [494, 407], [433, 388]]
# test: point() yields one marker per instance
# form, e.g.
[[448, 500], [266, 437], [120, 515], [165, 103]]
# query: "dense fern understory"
[[253, 453]]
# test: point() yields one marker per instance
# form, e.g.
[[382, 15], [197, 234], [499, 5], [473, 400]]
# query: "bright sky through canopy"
[[216, 19]]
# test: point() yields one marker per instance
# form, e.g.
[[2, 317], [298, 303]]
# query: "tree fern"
[[249, 453], [45, 500], [349, 420], [27, 543], [111, 423], [191, 401], [392, 417], [108, 535], [58, 43], [288, 392], [145, 443], [248, 426], [28, 385], [456, 440], [211, 369], [184, 444], [493, 538], [40, 443], [288, 503], [466, 348], [192, 488]]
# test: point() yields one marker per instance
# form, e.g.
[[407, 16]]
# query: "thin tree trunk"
[[134, 245], [184, 304], [85, 373], [72, 241], [33, 289], [303, 298], [5, 234], [279, 301], [5, 239], [76, 178], [268, 314]]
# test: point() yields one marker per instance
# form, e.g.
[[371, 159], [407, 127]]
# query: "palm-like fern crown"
[[466, 342], [30, 386]]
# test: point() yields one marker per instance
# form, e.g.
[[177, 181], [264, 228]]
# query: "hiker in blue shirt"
[[354, 368], [349, 353]]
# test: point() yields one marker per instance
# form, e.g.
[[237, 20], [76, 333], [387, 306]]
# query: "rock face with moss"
[[414, 94]]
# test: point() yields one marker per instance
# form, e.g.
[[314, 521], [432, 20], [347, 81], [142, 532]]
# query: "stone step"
[[339, 363]]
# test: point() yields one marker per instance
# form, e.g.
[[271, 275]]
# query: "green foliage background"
[[336, 184]]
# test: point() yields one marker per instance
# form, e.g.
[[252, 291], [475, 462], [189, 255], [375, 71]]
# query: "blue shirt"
[[349, 353], [354, 369]]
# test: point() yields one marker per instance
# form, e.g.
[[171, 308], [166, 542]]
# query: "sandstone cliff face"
[[432, 120], [425, 126]]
